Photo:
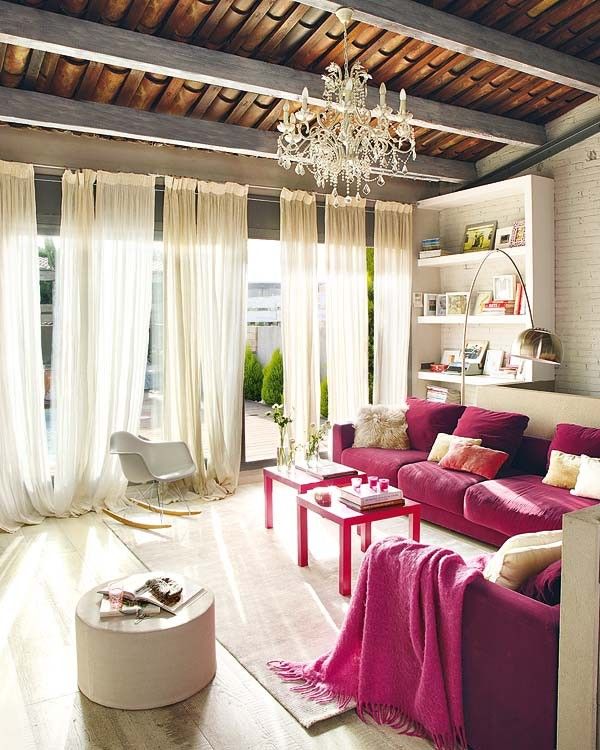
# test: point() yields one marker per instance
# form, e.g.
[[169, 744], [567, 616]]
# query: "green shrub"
[[324, 399], [272, 386], [253, 376]]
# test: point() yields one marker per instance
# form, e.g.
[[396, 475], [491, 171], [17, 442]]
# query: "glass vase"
[[281, 457]]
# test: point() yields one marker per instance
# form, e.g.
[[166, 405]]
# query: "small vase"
[[312, 460], [281, 457]]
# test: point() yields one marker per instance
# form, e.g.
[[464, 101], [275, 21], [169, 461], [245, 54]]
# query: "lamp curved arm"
[[469, 299]]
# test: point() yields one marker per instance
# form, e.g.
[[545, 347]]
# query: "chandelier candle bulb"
[[304, 98], [402, 102], [382, 96]]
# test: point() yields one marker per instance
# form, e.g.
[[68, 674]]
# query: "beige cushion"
[[588, 479], [381, 427], [444, 442], [523, 556], [563, 470]]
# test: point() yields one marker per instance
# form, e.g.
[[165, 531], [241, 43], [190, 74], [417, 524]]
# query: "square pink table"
[[299, 481], [346, 518]]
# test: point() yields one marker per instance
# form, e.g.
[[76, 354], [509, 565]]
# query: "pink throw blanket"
[[398, 654]]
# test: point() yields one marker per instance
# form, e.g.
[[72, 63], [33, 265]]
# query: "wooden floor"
[[43, 572]]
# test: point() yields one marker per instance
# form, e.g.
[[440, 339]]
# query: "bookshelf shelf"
[[468, 259], [474, 320], [443, 377]]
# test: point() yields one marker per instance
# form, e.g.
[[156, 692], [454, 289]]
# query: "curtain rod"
[[266, 198]]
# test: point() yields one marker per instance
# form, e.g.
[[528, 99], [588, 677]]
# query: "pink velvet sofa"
[[515, 502]]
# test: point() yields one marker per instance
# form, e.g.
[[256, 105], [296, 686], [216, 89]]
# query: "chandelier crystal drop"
[[347, 143]]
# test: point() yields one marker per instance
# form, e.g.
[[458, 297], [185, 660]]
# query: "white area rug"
[[266, 606]]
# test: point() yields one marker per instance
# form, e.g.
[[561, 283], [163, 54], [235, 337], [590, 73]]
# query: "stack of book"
[[442, 395], [432, 248], [367, 499], [499, 307], [326, 470]]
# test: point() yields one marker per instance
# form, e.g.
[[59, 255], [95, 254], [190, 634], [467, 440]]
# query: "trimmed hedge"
[[324, 399], [272, 386], [253, 376]]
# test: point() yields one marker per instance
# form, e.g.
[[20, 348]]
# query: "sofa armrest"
[[510, 669], [343, 437]]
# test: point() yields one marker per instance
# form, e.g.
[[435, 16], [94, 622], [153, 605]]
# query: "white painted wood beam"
[[442, 29], [41, 30], [44, 110]]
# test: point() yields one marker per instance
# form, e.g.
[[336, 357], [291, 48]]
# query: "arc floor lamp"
[[535, 344]]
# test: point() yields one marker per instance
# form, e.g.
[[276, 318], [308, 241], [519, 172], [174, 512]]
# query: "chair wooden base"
[[166, 511], [136, 524]]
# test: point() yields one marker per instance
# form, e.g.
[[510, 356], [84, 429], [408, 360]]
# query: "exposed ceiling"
[[307, 39]]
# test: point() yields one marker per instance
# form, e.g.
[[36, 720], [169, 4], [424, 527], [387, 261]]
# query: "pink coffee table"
[[346, 518], [299, 481]]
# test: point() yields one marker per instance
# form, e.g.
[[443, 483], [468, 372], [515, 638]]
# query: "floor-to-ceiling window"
[[47, 250]]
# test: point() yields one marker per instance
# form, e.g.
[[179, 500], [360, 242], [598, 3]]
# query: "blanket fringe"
[[312, 688]]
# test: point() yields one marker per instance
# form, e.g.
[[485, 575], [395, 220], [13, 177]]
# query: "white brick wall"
[[576, 173]]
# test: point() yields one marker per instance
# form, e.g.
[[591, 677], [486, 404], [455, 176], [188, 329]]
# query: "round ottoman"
[[156, 662]]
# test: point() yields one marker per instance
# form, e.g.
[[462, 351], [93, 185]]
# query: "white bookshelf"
[[531, 198]]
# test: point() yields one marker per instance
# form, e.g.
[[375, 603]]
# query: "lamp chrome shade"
[[538, 345]]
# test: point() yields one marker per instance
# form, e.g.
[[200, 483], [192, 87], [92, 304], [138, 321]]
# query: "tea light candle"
[[384, 484], [372, 482], [356, 484]]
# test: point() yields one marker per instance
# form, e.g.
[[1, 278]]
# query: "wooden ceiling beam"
[[433, 26], [43, 110], [73, 37]]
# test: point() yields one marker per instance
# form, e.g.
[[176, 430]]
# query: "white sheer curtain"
[[299, 309], [25, 484], [110, 279], [183, 325], [346, 309], [223, 241], [392, 301]]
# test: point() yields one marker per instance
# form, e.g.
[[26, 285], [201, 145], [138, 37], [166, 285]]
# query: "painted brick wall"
[[576, 173]]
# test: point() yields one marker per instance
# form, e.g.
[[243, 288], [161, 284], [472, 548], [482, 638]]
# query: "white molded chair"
[[155, 463]]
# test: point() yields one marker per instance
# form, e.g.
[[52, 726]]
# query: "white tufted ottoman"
[[159, 661]]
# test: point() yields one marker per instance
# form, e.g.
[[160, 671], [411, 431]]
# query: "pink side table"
[[346, 518], [299, 481]]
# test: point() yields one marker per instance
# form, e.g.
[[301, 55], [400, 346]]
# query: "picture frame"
[[440, 308], [494, 360], [475, 353], [480, 301], [518, 234], [456, 303], [417, 299], [504, 287], [479, 236], [503, 237], [449, 356], [429, 304]]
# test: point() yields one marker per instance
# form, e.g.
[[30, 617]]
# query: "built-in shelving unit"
[[530, 197]]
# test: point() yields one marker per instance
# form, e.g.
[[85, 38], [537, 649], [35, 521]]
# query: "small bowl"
[[438, 368], [323, 498]]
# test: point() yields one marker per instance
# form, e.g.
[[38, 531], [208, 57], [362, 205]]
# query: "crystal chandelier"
[[347, 142]]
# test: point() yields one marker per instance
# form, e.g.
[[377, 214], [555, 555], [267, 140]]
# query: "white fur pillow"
[[382, 427], [523, 556]]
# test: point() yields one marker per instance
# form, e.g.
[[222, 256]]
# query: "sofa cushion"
[[562, 470], [475, 459], [523, 556], [426, 419], [379, 426], [380, 462], [499, 430], [573, 438], [532, 457], [516, 505], [428, 483], [545, 586]]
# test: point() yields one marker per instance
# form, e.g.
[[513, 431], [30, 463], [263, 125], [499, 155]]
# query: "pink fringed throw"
[[398, 654]]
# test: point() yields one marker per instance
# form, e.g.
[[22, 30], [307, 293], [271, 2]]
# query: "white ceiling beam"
[[53, 32], [442, 29], [43, 110]]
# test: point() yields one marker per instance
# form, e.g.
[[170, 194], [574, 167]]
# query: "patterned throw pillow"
[[444, 442], [381, 427]]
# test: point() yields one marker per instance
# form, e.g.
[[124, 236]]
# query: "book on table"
[[137, 590], [367, 498], [327, 470]]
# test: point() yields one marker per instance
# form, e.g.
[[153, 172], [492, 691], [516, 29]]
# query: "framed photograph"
[[456, 303], [475, 352], [417, 299], [504, 287], [440, 308], [517, 236], [494, 360], [449, 356], [480, 300], [479, 236], [503, 238], [429, 303]]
